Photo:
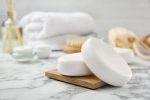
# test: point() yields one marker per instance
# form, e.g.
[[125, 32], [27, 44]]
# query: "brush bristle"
[[75, 41]]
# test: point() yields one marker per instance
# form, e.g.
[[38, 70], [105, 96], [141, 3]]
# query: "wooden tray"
[[91, 81]]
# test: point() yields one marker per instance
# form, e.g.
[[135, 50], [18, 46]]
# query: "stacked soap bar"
[[23, 54], [27, 53], [96, 58], [126, 54], [43, 51], [73, 65]]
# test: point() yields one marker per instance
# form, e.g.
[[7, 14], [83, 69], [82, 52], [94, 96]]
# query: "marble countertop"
[[26, 81]]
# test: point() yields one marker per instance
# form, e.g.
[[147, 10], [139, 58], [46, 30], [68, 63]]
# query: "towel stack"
[[53, 27]]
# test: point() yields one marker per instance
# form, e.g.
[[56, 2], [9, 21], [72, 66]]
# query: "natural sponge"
[[121, 37]]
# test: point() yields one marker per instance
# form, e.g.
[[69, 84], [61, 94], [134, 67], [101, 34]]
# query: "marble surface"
[[26, 81]]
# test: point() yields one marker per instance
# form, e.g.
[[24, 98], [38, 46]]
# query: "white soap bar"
[[105, 62], [127, 54], [23, 54], [23, 50], [72, 65], [42, 50]]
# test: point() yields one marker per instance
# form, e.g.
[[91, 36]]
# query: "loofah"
[[122, 37]]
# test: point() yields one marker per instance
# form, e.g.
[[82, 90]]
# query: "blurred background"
[[132, 14]]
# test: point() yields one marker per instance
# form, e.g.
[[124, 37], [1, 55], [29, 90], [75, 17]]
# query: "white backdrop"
[[133, 14]]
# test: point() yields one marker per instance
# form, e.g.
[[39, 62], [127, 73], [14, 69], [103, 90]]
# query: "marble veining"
[[26, 81]]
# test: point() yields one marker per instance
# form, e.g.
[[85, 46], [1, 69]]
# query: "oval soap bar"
[[105, 62], [72, 65], [125, 53]]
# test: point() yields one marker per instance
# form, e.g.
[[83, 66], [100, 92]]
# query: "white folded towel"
[[43, 26], [67, 23], [33, 17]]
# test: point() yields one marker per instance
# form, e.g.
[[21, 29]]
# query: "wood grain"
[[91, 81]]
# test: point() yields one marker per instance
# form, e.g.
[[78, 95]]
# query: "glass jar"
[[11, 37]]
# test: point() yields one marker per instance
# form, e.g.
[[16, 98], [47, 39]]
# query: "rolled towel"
[[40, 17], [33, 27], [47, 27], [67, 23], [58, 23]]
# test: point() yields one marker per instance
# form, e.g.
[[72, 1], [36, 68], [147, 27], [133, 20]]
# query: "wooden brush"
[[74, 43], [141, 47]]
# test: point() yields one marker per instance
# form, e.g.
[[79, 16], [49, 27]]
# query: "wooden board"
[[91, 81]]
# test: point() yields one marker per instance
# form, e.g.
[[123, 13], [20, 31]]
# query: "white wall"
[[133, 14]]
